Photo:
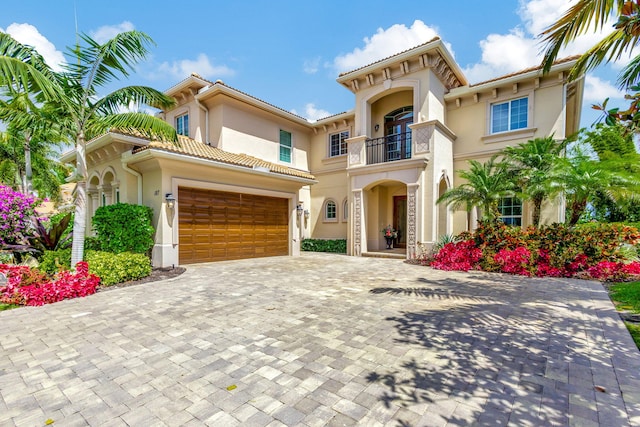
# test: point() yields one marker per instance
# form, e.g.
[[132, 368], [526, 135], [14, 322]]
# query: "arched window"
[[345, 210], [330, 211]]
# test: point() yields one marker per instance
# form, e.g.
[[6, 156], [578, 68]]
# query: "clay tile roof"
[[190, 147], [527, 70], [389, 57], [221, 83]]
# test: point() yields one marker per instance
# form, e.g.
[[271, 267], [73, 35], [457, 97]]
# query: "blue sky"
[[289, 53]]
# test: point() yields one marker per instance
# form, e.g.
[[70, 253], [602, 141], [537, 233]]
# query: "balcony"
[[389, 148]]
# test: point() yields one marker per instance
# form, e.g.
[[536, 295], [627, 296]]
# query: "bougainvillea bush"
[[27, 286], [16, 213], [591, 251]]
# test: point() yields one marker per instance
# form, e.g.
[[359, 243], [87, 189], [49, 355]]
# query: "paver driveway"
[[322, 340]]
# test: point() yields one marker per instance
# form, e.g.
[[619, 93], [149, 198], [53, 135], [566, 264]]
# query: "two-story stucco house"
[[250, 179]]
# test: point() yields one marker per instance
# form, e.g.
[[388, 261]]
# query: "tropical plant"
[[583, 179], [124, 228], [16, 213], [30, 167], [81, 114], [593, 15], [486, 183], [532, 163], [21, 108]]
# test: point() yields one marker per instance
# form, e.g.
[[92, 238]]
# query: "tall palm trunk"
[[28, 172], [80, 218]]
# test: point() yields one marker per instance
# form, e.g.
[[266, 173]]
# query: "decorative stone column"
[[357, 222], [412, 220]]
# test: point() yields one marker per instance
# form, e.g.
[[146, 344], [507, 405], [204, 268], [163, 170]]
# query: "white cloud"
[[521, 48], [107, 32], [502, 54], [312, 113], [385, 43], [201, 65], [597, 90], [310, 66], [27, 34]]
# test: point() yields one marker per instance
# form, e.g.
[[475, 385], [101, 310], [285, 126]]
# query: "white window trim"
[[501, 100], [324, 211], [180, 114], [521, 216], [290, 162], [339, 132]]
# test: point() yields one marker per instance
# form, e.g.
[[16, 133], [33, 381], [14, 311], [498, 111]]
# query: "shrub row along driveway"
[[322, 339]]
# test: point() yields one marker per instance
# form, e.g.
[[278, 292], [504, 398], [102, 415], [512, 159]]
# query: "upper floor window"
[[330, 211], [510, 115], [182, 125], [510, 211], [285, 146], [338, 143]]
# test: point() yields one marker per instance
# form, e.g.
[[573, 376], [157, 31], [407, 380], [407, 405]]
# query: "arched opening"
[[442, 209], [107, 191], [385, 204]]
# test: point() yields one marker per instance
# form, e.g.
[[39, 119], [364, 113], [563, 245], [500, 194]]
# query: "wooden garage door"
[[219, 225]]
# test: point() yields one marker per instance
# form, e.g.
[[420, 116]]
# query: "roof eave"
[[462, 90], [161, 153], [218, 88], [101, 141], [434, 45]]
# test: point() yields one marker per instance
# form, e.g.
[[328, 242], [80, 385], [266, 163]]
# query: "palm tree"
[[531, 163], [486, 183], [19, 102], [17, 157], [82, 113], [592, 15], [584, 179]]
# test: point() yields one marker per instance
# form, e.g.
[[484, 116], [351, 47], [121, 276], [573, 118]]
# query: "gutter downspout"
[[206, 117], [135, 173]]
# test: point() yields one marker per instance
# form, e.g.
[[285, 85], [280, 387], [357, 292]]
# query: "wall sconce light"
[[376, 128], [299, 209], [306, 215], [170, 199]]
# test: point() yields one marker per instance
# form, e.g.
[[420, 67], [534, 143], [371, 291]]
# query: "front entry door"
[[400, 220]]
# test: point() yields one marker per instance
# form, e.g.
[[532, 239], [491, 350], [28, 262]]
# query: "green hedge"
[[124, 228], [338, 246], [111, 268], [117, 268]]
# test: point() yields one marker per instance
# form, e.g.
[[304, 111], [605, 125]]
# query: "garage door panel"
[[216, 225]]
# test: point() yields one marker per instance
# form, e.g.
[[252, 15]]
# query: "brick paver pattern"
[[323, 340]]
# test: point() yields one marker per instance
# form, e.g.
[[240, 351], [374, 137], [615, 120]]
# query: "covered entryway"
[[220, 225]]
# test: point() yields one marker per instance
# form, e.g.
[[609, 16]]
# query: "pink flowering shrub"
[[26, 286], [590, 251], [517, 261], [461, 256], [610, 270], [16, 213]]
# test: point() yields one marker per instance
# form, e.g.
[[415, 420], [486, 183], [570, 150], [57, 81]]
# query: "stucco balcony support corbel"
[[356, 151]]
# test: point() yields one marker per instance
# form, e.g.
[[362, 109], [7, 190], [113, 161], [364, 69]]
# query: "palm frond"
[[136, 95], [576, 21], [136, 123]]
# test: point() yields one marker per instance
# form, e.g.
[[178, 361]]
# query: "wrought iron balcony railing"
[[389, 148]]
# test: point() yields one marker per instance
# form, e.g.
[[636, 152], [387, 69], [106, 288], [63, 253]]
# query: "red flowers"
[[30, 287], [461, 256], [591, 251]]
